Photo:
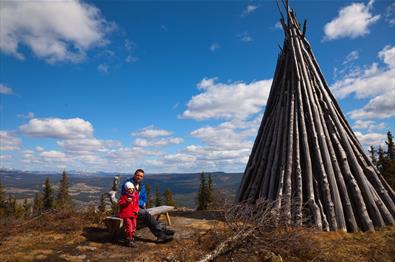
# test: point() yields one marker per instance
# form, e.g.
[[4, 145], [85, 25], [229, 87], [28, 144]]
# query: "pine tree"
[[63, 198], [210, 190], [202, 194], [381, 161], [373, 156], [158, 197], [2, 201], [150, 201], [10, 206], [102, 204], [37, 204], [48, 201], [390, 146], [169, 201], [27, 208]]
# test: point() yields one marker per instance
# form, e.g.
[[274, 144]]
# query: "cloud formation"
[[151, 132], [54, 30], [225, 101], [352, 21], [249, 9], [8, 141], [5, 90], [373, 82], [73, 128]]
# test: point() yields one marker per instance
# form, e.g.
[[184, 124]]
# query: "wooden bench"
[[114, 224]]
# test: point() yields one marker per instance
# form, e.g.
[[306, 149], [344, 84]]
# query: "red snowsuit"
[[128, 211]]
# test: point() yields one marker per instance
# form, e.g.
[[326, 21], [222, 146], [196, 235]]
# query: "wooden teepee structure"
[[306, 159]]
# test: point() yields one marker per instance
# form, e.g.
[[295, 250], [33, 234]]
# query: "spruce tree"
[[373, 153], [390, 146], [381, 161], [150, 201], [26, 208], [63, 199], [169, 201], [48, 201], [37, 204], [158, 197], [210, 190], [202, 194], [2, 201], [102, 204]]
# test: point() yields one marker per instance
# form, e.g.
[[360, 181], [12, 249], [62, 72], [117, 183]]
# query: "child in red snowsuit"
[[129, 207]]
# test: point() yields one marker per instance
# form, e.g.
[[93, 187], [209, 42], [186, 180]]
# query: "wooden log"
[[317, 137]]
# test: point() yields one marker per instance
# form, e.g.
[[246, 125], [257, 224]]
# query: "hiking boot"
[[163, 238], [169, 232], [130, 243]]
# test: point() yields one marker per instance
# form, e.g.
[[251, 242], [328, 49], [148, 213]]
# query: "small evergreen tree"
[[390, 146], [102, 204], [210, 190], [48, 201], [373, 153], [158, 197], [27, 208], [150, 201], [63, 199], [2, 201], [202, 194], [381, 161], [168, 195], [37, 204]]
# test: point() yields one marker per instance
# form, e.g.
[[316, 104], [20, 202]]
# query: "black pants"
[[155, 227]]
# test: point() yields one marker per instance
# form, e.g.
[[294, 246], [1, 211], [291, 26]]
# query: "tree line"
[[384, 160], [42, 201]]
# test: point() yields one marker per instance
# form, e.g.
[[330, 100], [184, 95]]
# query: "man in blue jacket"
[[162, 233]]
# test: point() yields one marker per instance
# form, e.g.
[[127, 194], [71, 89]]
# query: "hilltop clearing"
[[83, 237]]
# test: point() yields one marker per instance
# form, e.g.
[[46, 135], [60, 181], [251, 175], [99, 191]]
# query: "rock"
[[271, 257]]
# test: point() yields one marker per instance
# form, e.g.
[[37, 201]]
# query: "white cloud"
[[352, 21], [73, 128], [5, 90], [352, 56], [151, 132], [29, 115], [141, 142], [377, 83], [368, 125], [245, 37], [390, 14], [8, 141], [214, 46], [380, 107], [249, 9], [53, 30], [103, 68], [278, 25], [371, 139], [82, 146], [234, 100]]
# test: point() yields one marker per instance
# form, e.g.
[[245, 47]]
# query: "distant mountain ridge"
[[86, 187]]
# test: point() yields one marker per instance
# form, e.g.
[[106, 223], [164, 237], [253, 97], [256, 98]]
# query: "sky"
[[174, 86]]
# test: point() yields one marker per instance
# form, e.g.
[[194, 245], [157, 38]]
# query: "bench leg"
[[157, 217], [168, 219]]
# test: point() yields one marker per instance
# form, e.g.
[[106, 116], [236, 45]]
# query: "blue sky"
[[174, 86]]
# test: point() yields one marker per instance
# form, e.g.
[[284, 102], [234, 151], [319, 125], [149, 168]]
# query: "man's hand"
[[129, 199]]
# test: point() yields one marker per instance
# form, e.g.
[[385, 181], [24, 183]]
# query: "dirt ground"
[[77, 236], [74, 238]]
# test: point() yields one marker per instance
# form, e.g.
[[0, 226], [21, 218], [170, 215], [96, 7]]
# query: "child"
[[129, 207]]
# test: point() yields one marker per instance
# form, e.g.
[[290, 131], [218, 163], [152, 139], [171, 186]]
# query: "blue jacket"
[[142, 191]]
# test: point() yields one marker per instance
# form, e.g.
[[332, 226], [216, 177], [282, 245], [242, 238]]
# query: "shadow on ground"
[[200, 214]]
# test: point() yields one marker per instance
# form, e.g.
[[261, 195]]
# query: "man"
[[162, 233]]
